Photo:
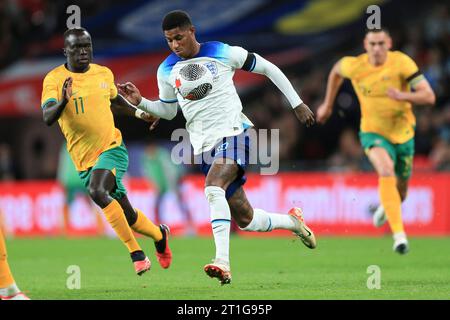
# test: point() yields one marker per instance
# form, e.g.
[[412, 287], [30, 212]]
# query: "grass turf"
[[262, 268]]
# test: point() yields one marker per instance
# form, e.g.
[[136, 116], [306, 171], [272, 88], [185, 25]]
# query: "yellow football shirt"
[[379, 113], [87, 121]]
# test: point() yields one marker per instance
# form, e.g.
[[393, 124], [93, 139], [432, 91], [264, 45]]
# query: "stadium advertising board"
[[334, 204]]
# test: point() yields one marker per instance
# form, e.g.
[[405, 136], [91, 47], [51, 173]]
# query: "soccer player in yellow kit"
[[79, 95], [8, 287], [387, 83]]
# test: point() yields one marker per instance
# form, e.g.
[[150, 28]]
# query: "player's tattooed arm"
[[52, 110]]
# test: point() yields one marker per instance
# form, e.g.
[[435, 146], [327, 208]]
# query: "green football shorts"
[[115, 160], [402, 154]]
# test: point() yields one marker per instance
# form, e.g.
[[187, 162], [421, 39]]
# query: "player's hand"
[[130, 92], [323, 113], [304, 114], [395, 94], [67, 89], [150, 119]]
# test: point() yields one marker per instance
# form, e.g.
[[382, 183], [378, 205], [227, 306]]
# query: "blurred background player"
[[158, 167], [79, 94], [387, 83], [217, 130], [8, 287], [69, 178]]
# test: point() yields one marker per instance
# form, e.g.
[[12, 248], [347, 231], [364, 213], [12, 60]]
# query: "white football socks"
[[220, 221], [264, 221]]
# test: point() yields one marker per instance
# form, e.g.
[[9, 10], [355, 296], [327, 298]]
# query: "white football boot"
[[401, 245], [12, 293], [379, 217], [303, 232], [220, 270]]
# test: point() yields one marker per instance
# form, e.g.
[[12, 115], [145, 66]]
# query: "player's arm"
[[160, 109], [423, 94], [334, 82], [257, 64], [122, 106], [51, 110]]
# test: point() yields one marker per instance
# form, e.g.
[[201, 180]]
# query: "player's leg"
[[104, 182], [249, 219], [403, 170], [101, 185], [220, 175], [402, 187], [139, 223], [389, 195], [8, 287], [379, 216]]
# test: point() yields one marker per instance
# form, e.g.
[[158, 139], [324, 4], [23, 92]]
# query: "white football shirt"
[[217, 115]]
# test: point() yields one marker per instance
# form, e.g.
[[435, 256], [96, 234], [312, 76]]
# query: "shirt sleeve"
[[347, 67], [166, 91], [112, 86], [49, 90], [409, 70], [236, 56]]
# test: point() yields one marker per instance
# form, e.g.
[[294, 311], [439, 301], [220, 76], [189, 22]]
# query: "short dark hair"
[[378, 30], [74, 31], [176, 18]]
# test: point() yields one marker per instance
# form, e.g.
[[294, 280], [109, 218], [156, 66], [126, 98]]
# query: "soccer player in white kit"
[[217, 129]]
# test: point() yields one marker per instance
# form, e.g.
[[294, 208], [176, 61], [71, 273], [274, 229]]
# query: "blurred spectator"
[[12, 30], [434, 71], [425, 132], [440, 154], [437, 24]]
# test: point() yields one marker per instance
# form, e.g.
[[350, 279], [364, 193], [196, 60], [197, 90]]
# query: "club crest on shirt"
[[222, 147], [103, 85], [212, 66]]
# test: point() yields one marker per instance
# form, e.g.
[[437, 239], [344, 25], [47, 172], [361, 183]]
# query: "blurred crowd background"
[[295, 35]]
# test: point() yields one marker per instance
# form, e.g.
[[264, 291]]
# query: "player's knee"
[[99, 195], [386, 171], [215, 183]]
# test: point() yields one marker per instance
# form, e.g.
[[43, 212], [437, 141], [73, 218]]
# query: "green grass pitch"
[[262, 268]]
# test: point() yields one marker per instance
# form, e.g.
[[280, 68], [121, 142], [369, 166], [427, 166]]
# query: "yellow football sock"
[[145, 226], [116, 217], [391, 202], [6, 278]]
